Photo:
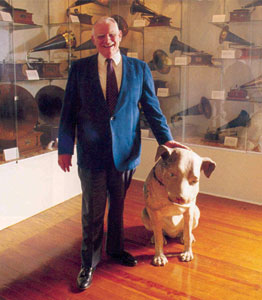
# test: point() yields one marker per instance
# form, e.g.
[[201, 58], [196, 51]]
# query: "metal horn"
[[253, 83], [154, 18], [226, 35], [203, 107], [88, 45], [138, 7], [177, 45], [6, 5], [240, 121], [253, 4], [60, 41], [161, 62], [122, 24]]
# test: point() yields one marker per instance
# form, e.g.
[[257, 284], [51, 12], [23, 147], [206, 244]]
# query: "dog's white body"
[[170, 192]]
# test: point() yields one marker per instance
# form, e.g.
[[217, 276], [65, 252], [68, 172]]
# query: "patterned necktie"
[[111, 86]]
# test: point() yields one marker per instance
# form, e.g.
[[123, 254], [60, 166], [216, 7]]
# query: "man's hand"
[[65, 162], [174, 144]]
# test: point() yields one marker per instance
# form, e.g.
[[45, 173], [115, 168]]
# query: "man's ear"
[[163, 151], [208, 166]]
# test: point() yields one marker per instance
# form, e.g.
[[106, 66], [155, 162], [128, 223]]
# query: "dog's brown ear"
[[208, 166], [163, 151]]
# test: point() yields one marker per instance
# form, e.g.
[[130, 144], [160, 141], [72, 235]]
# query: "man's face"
[[107, 38]]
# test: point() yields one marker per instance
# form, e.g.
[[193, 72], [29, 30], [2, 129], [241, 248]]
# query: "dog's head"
[[181, 170]]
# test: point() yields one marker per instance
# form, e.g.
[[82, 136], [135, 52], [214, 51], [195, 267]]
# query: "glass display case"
[[39, 41], [205, 57]]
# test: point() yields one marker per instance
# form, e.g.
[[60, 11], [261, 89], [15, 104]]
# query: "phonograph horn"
[[161, 62], [255, 82], [226, 35], [253, 4], [122, 24], [154, 18], [60, 41], [138, 7], [49, 100], [240, 121], [203, 107], [88, 45], [177, 45], [6, 5]]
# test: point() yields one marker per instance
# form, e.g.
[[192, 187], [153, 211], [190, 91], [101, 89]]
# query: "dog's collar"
[[154, 174]]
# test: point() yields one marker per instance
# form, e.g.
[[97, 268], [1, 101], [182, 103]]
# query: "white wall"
[[237, 176], [33, 185]]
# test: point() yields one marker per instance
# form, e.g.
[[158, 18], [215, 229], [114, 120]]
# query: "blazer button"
[[112, 118]]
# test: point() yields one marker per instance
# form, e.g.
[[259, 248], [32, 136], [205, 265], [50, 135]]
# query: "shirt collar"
[[116, 58]]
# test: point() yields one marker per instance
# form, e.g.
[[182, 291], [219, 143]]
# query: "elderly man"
[[101, 105]]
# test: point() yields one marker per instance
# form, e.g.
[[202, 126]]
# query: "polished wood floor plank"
[[40, 257]]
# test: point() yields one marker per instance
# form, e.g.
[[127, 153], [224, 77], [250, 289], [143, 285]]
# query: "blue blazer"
[[85, 115]]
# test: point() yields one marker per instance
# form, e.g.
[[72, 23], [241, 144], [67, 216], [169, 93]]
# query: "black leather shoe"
[[124, 258], [84, 278]]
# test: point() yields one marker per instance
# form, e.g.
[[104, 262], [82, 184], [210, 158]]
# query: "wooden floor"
[[39, 257]]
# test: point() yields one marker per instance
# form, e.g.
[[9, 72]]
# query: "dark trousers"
[[97, 187]]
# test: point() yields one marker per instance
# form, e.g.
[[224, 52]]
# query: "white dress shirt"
[[102, 65]]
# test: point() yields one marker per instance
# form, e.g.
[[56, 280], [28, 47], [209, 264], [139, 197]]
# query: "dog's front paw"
[[186, 256], [159, 260]]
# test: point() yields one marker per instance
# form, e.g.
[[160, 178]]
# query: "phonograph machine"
[[154, 18], [45, 69], [195, 57]]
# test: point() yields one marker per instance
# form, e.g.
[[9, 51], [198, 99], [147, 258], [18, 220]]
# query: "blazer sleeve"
[[152, 110], [67, 127]]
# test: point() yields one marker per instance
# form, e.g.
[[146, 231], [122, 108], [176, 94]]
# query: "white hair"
[[105, 20]]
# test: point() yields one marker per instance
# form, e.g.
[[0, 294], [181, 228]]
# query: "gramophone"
[[60, 41], [196, 57], [19, 15], [202, 108], [242, 120], [226, 35], [153, 18], [83, 18]]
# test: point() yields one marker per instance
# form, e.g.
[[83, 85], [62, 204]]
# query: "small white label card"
[[219, 18], [230, 141], [5, 16], [139, 23], [132, 54], [228, 54], [163, 92], [218, 95], [32, 74], [74, 19], [11, 153], [181, 61]]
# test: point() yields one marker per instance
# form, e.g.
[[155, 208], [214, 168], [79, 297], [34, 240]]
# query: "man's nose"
[[108, 38]]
